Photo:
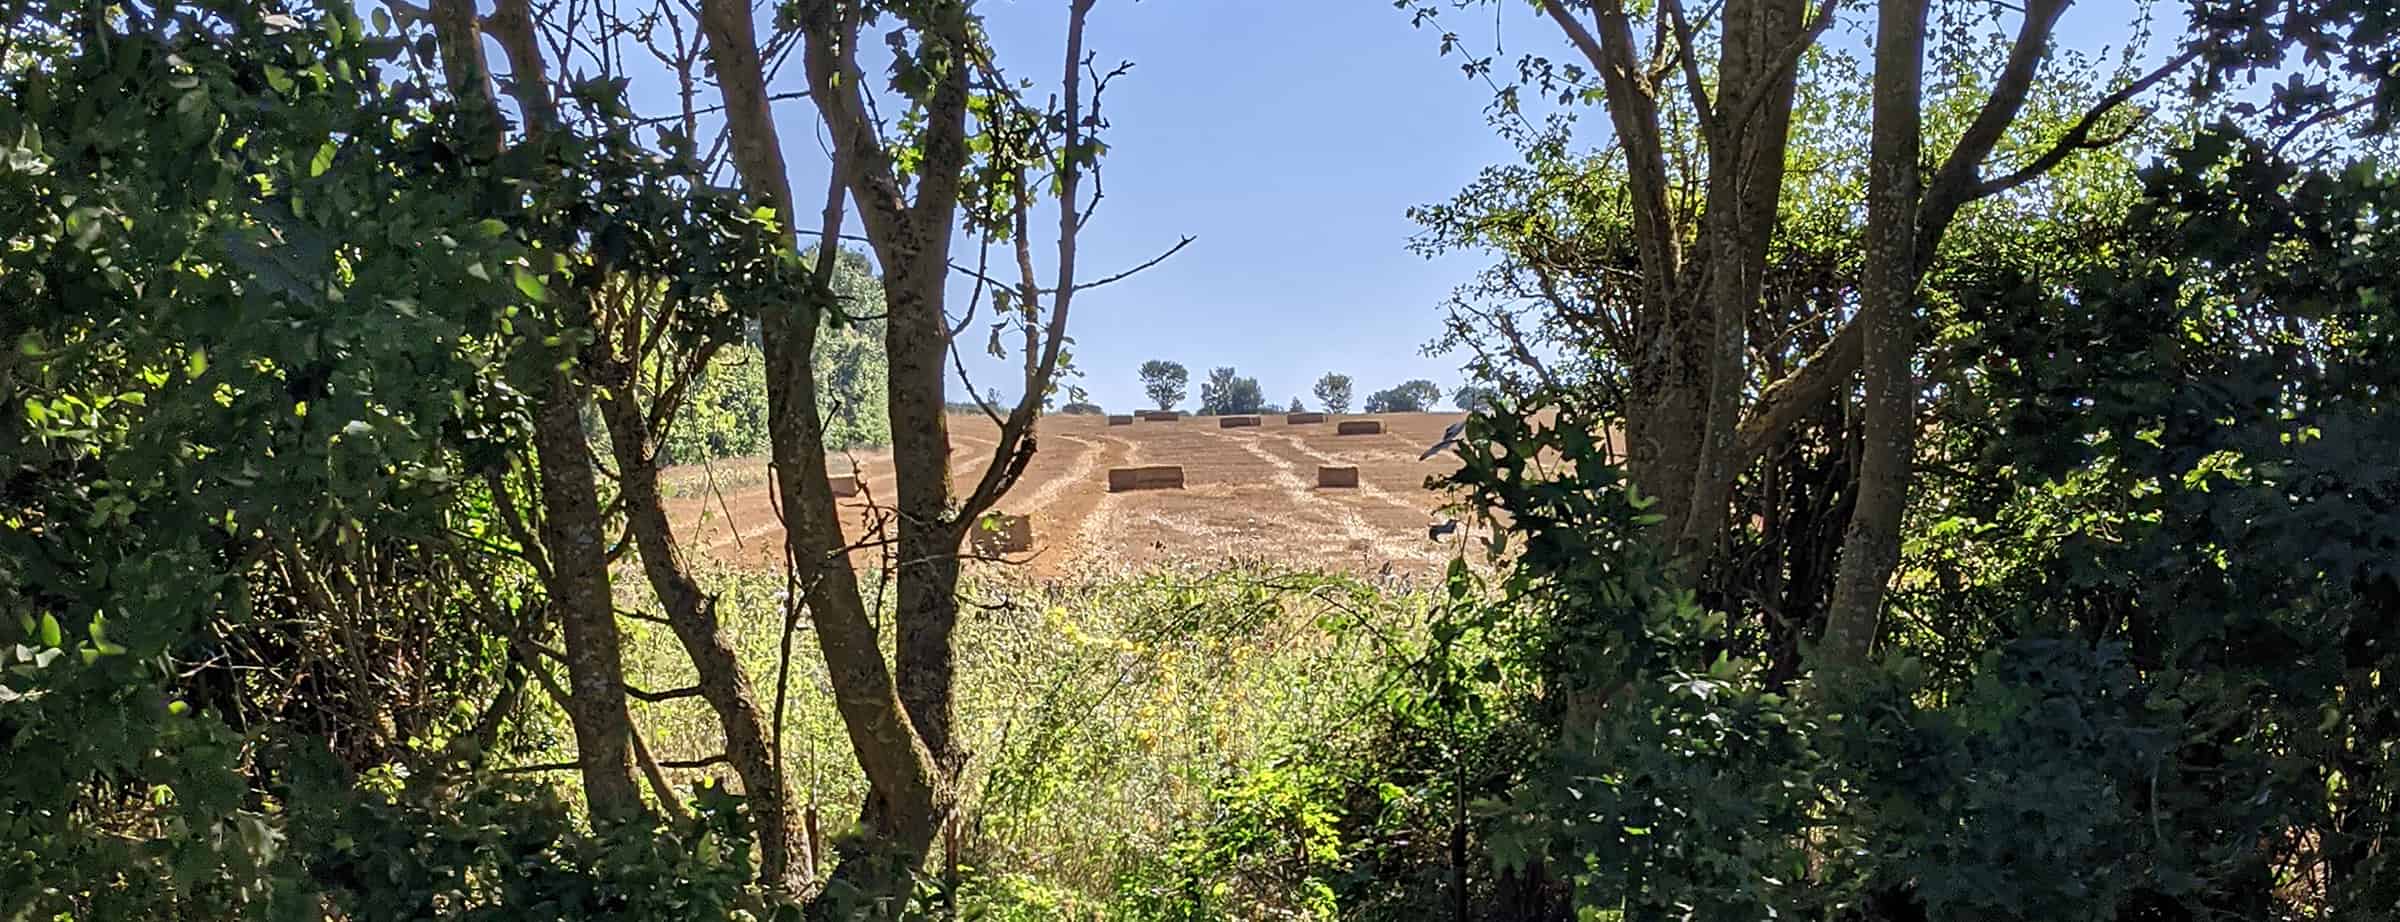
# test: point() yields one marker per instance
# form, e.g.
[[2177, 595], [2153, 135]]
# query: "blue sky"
[[1289, 137]]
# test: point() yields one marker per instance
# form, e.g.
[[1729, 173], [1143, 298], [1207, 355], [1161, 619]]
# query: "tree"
[[2127, 572], [725, 414], [1474, 397], [974, 153], [1700, 228], [1164, 382], [1297, 406], [1226, 393], [1333, 392], [1414, 396], [1081, 409]]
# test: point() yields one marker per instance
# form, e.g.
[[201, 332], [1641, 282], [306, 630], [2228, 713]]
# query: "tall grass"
[[1098, 713]]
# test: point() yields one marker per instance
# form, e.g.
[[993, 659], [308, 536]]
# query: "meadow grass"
[[1098, 712]]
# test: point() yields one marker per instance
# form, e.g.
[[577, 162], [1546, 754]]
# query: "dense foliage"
[[268, 345], [1416, 395], [1227, 392], [726, 415]]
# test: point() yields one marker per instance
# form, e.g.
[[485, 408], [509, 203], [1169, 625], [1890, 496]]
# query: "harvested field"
[[1247, 493]]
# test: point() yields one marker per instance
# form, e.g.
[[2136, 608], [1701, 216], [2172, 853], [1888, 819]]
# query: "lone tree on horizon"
[[1333, 391], [1165, 382]]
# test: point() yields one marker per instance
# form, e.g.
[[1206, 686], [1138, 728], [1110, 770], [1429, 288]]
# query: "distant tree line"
[[1227, 391]]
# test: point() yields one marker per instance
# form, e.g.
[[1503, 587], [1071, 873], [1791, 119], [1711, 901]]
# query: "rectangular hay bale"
[[1000, 533], [1148, 477], [1120, 419], [1358, 427], [1337, 475], [1294, 419], [1236, 422], [843, 484], [1160, 416]]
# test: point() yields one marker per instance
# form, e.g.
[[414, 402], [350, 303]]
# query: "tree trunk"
[[916, 341], [1752, 118], [749, 743], [1871, 545], [571, 535], [912, 242], [911, 798]]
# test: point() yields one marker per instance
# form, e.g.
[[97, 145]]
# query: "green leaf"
[[530, 284], [195, 362], [323, 161], [50, 633]]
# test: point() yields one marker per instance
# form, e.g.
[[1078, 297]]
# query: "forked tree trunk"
[[1752, 118], [912, 243], [910, 795], [1693, 427]]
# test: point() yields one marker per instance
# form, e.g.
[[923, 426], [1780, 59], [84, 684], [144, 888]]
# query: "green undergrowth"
[[1112, 721]]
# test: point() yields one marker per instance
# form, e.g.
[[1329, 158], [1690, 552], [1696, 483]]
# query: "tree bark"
[[911, 240], [572, 535], [1871, 545], [1670, 376]]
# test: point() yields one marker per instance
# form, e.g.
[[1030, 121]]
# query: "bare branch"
[[1711, 132], [1129, 273], [1958, 180], [1015, 448], [654, 697], [1633, 112], [571, 766], [659, 785]]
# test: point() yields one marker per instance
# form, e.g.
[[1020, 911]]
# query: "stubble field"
[[1249, 493]]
